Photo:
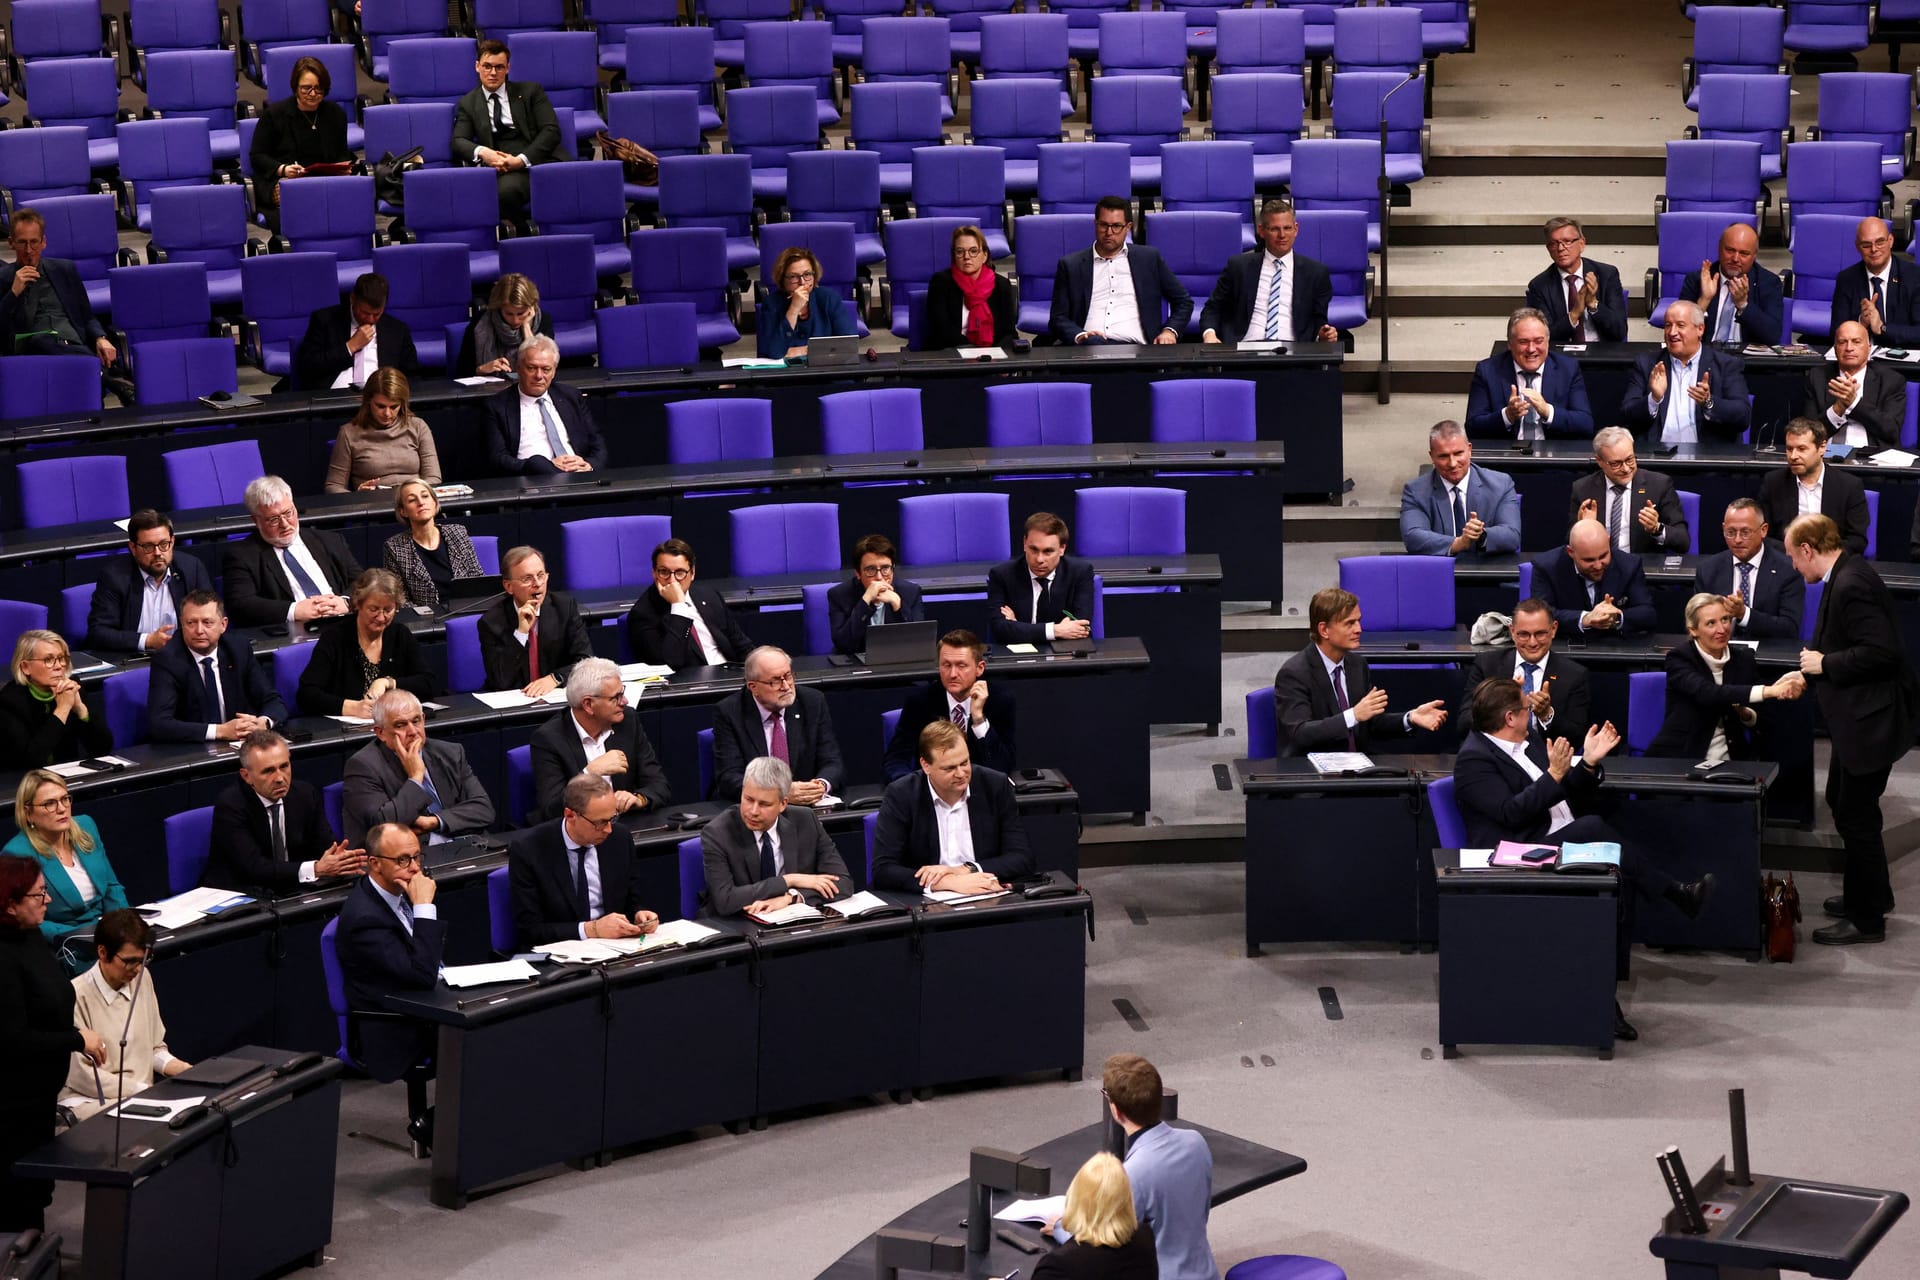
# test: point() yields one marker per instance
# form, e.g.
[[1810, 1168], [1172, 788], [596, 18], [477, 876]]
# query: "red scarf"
[[977, 290]]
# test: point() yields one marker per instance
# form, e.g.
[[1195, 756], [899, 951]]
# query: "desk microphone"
[[126, 1028], [474, 606], [1762, 446]]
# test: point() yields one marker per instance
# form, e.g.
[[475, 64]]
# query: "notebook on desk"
[[899, 642]]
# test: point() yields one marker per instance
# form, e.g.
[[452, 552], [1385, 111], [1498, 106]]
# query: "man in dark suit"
[[507, 125], [960, 697], [1323, 697], [532, 636], [541, 426], [1640, 510], [1807, 484], [1689, 392], [677, 624], [949, 827], [873, 597], [136, 603], [1511, 785], [1042, 594], [1858, 668], [1755, 577], [568, 880], [1714, 691], [598, 736], [1115, 291], [44, 309], [389, 940], [1865, 402], [345, 343], [401, 777], [761, 855], [1529, 393], [1244, 304], [1581, 298], [1741, 300], [1593, 590], [772, 716], [1559, 696], [281, 573], [1880, 291], [205, 685], [270, 829]]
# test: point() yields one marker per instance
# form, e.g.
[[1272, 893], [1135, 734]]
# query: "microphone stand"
[[120, 1087], [1386, 218]]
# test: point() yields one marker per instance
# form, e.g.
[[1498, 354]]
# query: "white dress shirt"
[[1681, 375], [1561, 814], [365, 361], [1717, 749], [533, 429], [82, 882], [1113, 309], [1844, 427], [594, 746], [298, 550], [1033, 600], [309, 871], [199, 674], [701, 635], [1539, 682], [956, 834], [1537, 429], [156, 603], [1619, 494], [1807, 496], [1257, 323], [966, 705]]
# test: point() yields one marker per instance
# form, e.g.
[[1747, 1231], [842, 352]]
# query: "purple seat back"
[[44, 162], [1143, 44], [213, 475], [161, 300], [1201, 409], [429, 69], [693, 876], [786, 537], [1208, 175], [1401, 593], [900, 50], [1195, 246], [60, 491], [428, 287], [951, 528], [1261, 40], [835, 186], [1016, 116], [1646, 709], [647, 335], [1144, 112], [893, 119], [1130, 521], [501, 934], [880, 420], [1710, 177], [719, 429], [1075, 176], [1024, 414], [707, 191], [1383, 39], [36, 385], [612, 551], [188, 836]]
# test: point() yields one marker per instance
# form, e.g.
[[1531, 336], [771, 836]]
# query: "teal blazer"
[[66, 911]]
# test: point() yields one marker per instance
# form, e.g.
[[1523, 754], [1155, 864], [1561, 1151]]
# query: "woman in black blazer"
[[294, 133], [1109, 1242], [364, 655], [1714, 690], [36, 1025], [45, 718], [955, 316]]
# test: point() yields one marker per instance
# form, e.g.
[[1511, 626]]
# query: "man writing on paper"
[[1323, 697], [568, 880], [762, 855], [949, 827]]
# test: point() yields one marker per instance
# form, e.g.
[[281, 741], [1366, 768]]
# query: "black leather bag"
[[387, 173]]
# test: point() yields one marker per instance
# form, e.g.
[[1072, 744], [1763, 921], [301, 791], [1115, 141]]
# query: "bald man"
[[1688, 392], [1594, 591], [1741, 298], [1880, 291], [1865, 403]]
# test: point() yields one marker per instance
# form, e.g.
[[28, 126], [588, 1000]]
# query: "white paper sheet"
[[1039, 1212], [1474, 859], [1894, 458], [195, 904], [582, 950], [478, 380], [865, 900], [480, 975], [977, 353], [637, 671], [948, 895], [504, 699], [677, 932], [1338, 761], [353, 720], [751, 362], [793, 914]]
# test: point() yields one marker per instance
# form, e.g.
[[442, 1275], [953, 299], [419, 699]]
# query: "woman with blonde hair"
[[363, 655], [81, 884], [428, 554], [44, 717], [385, 443], [1108, 1241], [513, 317], [799, 308]]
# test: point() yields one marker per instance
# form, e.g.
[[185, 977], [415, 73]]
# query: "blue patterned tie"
[[1746, 584], [1273, 301]]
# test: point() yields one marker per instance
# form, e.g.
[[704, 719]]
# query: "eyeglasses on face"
[[56, 804], [309, 91], [876, 571], [970, 251], [163, 545], [278, 518], [675, 575], [798, 277], [50, 659], [404, 860], [780, 681]]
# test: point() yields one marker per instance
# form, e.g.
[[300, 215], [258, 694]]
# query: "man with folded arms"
[[950, 827], [568, 880], [762, 855]]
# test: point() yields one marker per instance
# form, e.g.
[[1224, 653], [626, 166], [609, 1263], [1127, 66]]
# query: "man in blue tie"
[[1559, 698], [281, 573], [1740, 300], [205, 685], [1458, 508], [763, 854], [401, 777], [1270, 294], [541, 426]]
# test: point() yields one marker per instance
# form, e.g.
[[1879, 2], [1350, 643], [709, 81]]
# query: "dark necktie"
[[533, 650], [1746, 584], [1459, 514], [214, 711], [300, 576], [279, 832], [1340, 697], [960, 717], [493, 99], [1043, 602], [1879, 300], [1617, 515], [1573, 301], [767, 869], [1531, 418], [777, 737], [581, 904]]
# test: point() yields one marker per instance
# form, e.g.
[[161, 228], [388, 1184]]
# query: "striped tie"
[[1273, 301]]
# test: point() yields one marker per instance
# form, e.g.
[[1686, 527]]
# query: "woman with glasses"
[[72, 858], [385, 443], [968, 305], [799, 308], [108, 998], [428, 555], [513, 317], [44, 717], [296, 132], [875, 596], [36, 1026], [357, 660]]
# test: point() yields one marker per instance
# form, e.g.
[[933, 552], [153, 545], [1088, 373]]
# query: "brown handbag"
[[641, 165], [1780, 905]]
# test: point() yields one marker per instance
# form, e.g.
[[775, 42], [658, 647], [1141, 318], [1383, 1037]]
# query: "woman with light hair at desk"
[[1107, 1241]]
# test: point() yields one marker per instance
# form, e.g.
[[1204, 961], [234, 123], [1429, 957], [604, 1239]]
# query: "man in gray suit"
[[1458, 507], [401, 777], [508, 126], [761, 857]]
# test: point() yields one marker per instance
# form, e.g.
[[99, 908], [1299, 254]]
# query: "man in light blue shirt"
[[1171, 1170]]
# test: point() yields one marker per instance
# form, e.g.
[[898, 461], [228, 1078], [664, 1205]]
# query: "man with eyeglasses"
[[281, 574], [390, 939], [763, 854], [598, 735], [1581, 298], [772, 716], [875, 596], [506, 125], [677, 624], [1116, 292], [569, 880], [1879, 291], [108, 999], [44, 309], [531, 637], [1559, 695], [1639, 508], [1757, 578], [136, 602], [401, 777]]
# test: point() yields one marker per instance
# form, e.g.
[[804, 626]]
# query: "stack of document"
[[1339, 761], [480, 975], [859, 904], [1039, 1212], [195, 904], [507, 699], [670, 933], [75, 769], [797, 913], [948, 896]]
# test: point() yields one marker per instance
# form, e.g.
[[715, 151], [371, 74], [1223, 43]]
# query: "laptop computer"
[[832, 351], [900, 642]]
